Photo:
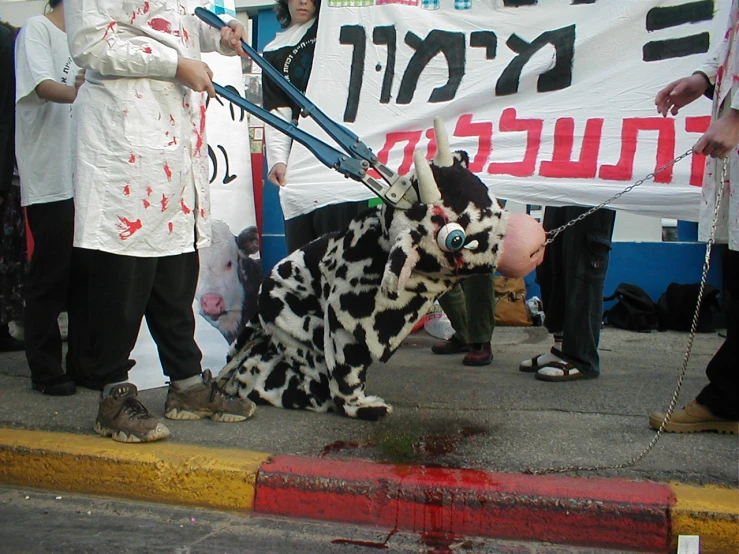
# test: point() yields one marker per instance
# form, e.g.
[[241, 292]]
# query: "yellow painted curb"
[[709, 512], [158, 471]]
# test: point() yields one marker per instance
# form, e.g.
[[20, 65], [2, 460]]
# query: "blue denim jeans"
[[571, 279]]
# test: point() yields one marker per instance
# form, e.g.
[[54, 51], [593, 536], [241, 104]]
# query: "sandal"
[[563, 371], [529, 366]]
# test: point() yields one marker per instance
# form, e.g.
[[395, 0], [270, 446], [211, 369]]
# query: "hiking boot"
[[693, 419], [206, 399], [124, 418], [451, 346], [480, 353]]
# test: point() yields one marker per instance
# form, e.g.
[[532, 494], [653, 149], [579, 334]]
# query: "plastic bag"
[[437, 323]]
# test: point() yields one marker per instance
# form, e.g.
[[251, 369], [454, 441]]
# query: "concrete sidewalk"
[[454, 453]]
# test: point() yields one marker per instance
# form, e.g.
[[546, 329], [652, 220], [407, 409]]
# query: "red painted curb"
[[592, 512]]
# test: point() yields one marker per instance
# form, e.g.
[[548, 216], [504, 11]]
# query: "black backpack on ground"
[[677, 304], [635, 310]]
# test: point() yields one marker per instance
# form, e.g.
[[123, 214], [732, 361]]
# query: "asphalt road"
[[34, 522]]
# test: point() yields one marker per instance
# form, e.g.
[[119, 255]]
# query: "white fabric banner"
[[553, 100], [222, 288]]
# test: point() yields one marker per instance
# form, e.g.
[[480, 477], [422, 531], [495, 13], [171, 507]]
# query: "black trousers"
[[125, 289], [571, 278], [47, 286], [721, 395], [305, 228]]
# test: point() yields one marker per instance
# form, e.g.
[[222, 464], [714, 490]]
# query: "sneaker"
[[479, 354], [124, 418], [206, 399], [451, 346], [694, 418]]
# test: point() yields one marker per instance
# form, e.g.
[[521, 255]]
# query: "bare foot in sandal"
[[561, 371]]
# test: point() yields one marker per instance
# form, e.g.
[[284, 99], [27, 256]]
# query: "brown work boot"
[[693, 419], [124, 418], [480, 354], [206, 399], [451, 346]]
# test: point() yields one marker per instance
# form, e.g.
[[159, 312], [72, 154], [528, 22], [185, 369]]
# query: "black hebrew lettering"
[[231, 106], [213, 163], [386, 35], [354, 35], [673, 16], [226, 177], [576, 2], [452, 45], [557, 78], [517, 3], [487, 40]]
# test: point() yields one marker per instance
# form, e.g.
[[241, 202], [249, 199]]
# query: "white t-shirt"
[[43, 129]]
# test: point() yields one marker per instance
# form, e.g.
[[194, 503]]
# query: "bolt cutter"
[[394, 189]]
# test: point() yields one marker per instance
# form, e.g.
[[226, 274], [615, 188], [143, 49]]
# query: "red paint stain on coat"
[[127, 227], [126, 190], [171, 119], [132, 159], [201, 132], [146, 204], [149, 191], [162, 25], [110, 29], [147, 50], [171, 226], [164, 202], [167, 171], [185, 209]]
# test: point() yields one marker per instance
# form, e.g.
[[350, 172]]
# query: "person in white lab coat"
[[716, 408], [141, 186]]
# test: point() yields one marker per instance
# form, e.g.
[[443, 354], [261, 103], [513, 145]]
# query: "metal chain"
[[554, 232], [686, 358]]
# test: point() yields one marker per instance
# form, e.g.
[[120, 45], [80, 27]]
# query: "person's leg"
[[47, 286], [336, 217], [171, 321], [120, 287], [454, 306], [550, 278], [299, 232], [716, 408], [12, 268], [721, 395], [170, 316], [479, 292], [586, 253]]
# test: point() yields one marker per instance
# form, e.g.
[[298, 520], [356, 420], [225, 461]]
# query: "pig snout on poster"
[[226, 294]]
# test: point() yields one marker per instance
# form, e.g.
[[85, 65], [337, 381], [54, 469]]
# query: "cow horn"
[[428, 191], [443, 156]]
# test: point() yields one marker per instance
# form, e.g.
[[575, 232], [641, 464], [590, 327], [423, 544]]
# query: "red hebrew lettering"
[[532, 128], [624, 169], [562, 166], [698, 161], [411, 138], [483, 132]]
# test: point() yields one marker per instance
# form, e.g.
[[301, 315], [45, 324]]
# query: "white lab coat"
[[722, 69], [141, 161]]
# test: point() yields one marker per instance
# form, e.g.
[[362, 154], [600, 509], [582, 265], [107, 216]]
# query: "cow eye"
[[450, 237], [229, 264]]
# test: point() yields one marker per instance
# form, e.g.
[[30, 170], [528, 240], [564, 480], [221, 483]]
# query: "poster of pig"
[[230, 269]]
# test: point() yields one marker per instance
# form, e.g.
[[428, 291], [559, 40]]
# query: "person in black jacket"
[[13, 241]]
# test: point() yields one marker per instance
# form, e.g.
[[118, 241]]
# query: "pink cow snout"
[[523, 246], [211, 304]]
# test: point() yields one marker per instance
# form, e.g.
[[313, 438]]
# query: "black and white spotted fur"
[[328, 310]]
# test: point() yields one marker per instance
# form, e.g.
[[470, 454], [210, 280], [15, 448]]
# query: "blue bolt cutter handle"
[[394, 189]]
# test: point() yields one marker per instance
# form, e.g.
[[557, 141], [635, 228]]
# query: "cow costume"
[[331, 308]]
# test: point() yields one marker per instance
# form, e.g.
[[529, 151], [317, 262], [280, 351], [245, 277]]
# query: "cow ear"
[[401, 261], [248, 241]]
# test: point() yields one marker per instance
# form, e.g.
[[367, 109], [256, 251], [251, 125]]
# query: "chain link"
[[554, 232], [691, 338]]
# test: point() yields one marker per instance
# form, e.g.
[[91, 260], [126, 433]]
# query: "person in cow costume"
[[332, 307]]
